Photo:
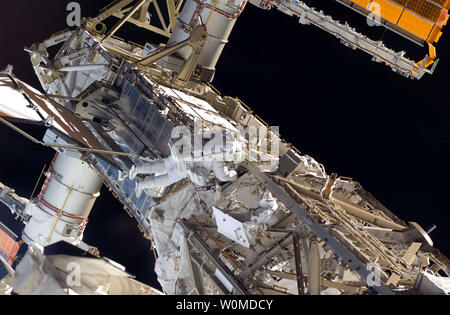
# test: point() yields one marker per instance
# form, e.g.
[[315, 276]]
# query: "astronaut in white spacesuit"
[[197, 166], [265, 210]]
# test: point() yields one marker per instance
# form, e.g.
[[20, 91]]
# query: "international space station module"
[[228, 206]]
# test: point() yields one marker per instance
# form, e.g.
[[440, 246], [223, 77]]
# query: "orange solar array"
[[8, 245], [420, 20]]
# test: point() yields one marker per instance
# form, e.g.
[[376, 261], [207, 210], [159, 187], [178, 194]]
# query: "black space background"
[[356, 117]]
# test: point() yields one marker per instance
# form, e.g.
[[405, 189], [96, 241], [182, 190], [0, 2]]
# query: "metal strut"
[[339, 249]]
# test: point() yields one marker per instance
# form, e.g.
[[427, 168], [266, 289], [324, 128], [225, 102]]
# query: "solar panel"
[[419, 20], [428, 9], [8, 245], [13, 104]]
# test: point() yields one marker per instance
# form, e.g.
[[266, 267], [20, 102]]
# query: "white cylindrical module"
[[218, 26], [61, 210]]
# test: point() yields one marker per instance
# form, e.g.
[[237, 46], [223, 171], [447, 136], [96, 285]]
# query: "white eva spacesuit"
[[195, 165]]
